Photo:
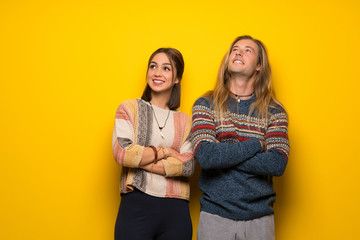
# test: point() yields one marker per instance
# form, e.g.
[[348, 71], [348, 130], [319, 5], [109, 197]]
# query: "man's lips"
[[239, 61]]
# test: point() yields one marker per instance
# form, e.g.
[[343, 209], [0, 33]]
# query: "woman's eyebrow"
[[162, 64]]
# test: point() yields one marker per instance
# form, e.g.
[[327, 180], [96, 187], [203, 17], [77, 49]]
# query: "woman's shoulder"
[[130, 104], [129, 101], [181, 114], [182, 118]]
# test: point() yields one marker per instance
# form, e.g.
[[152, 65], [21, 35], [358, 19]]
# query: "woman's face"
[[160, 74]]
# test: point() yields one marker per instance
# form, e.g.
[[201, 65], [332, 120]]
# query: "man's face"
[[243, 58]]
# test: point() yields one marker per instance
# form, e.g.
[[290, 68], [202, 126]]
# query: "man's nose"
[[240, 52]]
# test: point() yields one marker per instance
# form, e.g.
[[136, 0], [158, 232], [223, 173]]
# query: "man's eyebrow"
[[245, 47], [250, 48]]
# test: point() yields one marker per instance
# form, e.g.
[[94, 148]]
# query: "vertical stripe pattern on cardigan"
[[135, 129]]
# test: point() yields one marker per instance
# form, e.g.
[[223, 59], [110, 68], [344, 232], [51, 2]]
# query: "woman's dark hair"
[[177, 63]]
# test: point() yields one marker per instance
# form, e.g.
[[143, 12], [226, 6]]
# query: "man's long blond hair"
[[262, 84]]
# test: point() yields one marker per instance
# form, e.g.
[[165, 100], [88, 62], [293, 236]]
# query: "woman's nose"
[[158, 72]]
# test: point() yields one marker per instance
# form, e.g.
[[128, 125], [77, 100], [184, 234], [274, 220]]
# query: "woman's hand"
[[148, 156], [155, 168], [165, 152]]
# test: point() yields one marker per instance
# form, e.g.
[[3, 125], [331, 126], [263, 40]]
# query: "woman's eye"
[[167, 69], [152, 66]]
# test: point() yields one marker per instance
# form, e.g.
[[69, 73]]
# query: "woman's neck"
[[160, 100]]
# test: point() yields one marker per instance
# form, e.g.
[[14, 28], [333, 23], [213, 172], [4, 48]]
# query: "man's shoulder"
[[203, 101], [276, 108]]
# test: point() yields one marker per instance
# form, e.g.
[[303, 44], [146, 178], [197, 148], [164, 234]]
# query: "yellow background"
[[66, 65]]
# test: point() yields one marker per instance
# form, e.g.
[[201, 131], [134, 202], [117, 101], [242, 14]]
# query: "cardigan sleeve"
[[125, 150], [274, 160], [184, 163], [212, 154]]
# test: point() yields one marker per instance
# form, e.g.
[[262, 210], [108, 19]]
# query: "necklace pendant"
[[160, 128]]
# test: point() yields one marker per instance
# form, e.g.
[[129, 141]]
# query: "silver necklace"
[[160, 128]]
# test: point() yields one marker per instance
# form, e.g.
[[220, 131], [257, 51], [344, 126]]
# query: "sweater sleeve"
[[210, 153], [125, 150], [184, 163], [274, 160]]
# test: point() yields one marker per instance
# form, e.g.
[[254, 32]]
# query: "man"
[[240, 139]]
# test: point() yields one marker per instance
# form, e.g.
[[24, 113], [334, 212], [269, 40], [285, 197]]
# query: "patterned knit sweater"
[[236, 176], [136, 128]]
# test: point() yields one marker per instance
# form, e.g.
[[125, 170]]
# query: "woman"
[[151, 141]]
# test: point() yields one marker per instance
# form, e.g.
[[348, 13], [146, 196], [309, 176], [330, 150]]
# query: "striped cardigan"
[[236, 176], [135, 128]]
